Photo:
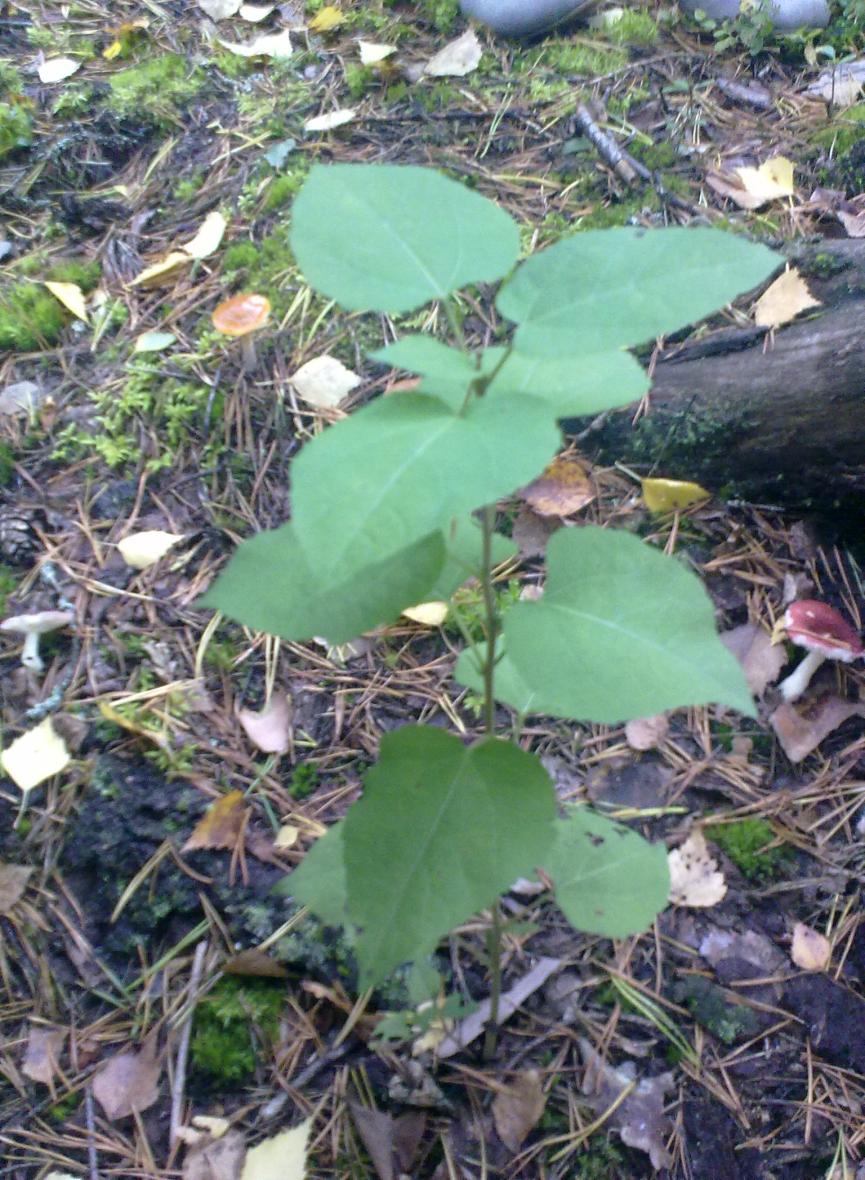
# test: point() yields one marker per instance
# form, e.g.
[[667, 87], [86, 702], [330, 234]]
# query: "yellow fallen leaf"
[[35, 756], [372, 52], [773, 179], [209, 236], [783, 300], [163, 271], [123, 36], [324, 381], [457, 58], [57, 69], [329, 121], [810, 950], [255, 12], [144, 549], [71, 296], [326, 19], [265, 45], [663, 495], [428, 614], [281, 1158], [695, 879], [286, 837]]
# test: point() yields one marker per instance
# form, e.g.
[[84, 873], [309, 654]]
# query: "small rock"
[[522, 18]]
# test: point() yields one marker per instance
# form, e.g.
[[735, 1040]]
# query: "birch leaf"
[[71, 296], [35, 756], [782, 301]]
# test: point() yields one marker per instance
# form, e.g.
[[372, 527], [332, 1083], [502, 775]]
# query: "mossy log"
[[767, 418]]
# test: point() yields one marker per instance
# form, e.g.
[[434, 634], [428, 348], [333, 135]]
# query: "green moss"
[[633, 27], [579, 56], [283, 188], [16, 127], [155, 91], [233, 1024], [8, 585], [168, 409], [709, 1005], [30, 316], [304, 780], [746, 844], [601, 1160], [75, 101]]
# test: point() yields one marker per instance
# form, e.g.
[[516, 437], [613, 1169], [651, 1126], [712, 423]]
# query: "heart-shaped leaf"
[[403, 467], [608, 880], [387, 238], [606, 289], [621, 631], [439, 832]]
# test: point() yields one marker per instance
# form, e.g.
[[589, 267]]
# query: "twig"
[[607, 148], [90, 1120], [179, 1081]]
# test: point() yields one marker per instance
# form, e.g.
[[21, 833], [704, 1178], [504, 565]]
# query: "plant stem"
[[491, 628], [453, 319]]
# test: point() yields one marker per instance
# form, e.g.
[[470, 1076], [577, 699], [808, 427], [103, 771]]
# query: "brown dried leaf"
[[128, 1082], [695, 879], [800, 733], [645, 733], [42, 1053], [562, 488], [255, 962], [810, 950], [853, 222], [761, 659], [221, 825], [269, 730], [375, 1128], [518, 1108], [639, 1117], [13, 882], [216, 1159]]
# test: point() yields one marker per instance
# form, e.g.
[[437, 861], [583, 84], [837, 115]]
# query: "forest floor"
[[145, 979]]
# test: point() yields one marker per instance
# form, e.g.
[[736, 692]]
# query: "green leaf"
[[572, 386], [621, 631], [272, 584], [606, 289], [319, 881], [464, 550], [388, 238], [510, 688], [440, 831], [608, 880], [403, 467]]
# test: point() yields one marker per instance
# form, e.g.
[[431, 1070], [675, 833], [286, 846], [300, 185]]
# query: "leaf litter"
[[342, 707]]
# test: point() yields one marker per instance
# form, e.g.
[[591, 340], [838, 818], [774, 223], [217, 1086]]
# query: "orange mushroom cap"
[[241, 314]]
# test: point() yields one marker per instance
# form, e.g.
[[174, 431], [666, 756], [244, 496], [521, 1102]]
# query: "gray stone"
[[522, 18]]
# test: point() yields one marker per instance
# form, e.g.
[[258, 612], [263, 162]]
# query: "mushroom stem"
[[247, 351], [30, 657], [795, 684]]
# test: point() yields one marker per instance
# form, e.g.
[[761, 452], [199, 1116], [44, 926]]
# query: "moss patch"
[[746, 844], [154, 91], [31, 317], [234, 1024]]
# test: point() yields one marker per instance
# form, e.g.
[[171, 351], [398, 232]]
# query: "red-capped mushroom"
[[241, 316], [825, 635]]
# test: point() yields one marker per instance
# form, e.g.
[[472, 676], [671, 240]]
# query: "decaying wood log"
[[778, 419]]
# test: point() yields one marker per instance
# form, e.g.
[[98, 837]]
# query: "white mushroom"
[[31, 627]]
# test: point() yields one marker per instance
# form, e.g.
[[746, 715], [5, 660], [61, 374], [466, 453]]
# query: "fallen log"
[[766, 417]]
